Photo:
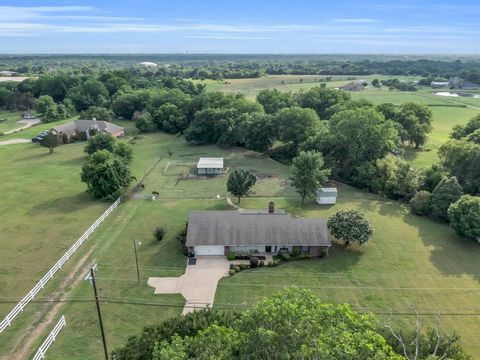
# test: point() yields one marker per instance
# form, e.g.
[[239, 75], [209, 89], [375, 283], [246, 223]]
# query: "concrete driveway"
[[197, 285]]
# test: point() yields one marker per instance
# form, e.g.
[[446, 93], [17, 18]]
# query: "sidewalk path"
[[15, 141]]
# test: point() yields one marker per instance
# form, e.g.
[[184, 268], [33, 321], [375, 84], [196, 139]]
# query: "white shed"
[[210, 166], [327, 196]]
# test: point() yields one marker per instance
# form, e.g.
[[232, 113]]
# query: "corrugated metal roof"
[[232, 228], [210, 163]]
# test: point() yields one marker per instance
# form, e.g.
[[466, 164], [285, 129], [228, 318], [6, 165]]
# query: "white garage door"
[[209, 250]]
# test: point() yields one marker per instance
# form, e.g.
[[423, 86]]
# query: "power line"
[[230, 306]]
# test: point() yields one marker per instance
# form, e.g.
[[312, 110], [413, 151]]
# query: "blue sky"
[[245, 26]]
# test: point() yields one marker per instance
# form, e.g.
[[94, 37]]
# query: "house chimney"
[[271, 207]]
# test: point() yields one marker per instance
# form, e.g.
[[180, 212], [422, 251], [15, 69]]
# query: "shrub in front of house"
[[243, 266], [270, 263], [232, 266], [261, 263], [276, 262], [231, 272], [254, 262], [231, 256], [236, 268], [284, 256], [160, 233]]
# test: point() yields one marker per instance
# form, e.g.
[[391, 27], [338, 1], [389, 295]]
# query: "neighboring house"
[[7, 73], [83, 129], [327, 196], [210, 166], [354, 86], [148, 64], [439, 84], [222, 232], [459, 83]]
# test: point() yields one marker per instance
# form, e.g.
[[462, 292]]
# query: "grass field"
[[12, 119], [411, 261]]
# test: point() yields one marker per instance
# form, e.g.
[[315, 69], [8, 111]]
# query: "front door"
[[268, 249]]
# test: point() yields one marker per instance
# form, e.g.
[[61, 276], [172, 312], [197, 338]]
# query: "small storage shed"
[[327, 195], [210, 166]]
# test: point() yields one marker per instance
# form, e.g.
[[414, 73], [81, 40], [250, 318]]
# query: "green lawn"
[[12, 119], [411, 261]]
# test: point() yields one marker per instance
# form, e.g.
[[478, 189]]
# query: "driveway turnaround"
[[197, 285]]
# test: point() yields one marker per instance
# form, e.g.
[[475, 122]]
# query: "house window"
[[304, 249]]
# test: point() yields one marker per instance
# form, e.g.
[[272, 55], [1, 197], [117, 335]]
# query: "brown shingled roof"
[[232, 228]]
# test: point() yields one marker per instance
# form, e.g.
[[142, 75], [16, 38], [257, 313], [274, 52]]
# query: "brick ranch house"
[[222, 232], [82, 130]]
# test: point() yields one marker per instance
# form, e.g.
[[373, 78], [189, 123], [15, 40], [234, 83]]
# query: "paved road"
[[197, 285]]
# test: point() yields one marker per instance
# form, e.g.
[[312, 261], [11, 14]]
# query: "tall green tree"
[[50, 141], [461, 159], [416, 119], [295, 124], [101, 141], [240, 182], [274, 100], [259, 132], [308, 174], [351, 226], [322, 100], [106, 175], [445, 193], [464, 216], [360, 136]]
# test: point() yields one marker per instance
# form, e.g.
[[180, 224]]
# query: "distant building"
[[327, 196], [210, 166], [459, 83], [83, 129], [148, 64], [7, 73], [439, 84], [354, 86]]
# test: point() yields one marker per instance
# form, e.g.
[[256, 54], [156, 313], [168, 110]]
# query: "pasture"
[[411, 261]]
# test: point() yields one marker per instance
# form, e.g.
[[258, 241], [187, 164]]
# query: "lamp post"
[[136, 258]]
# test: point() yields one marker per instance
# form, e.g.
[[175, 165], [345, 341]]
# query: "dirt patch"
[[15, 141]]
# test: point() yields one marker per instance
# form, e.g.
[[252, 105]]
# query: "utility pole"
[[136, 260], [92, 278]]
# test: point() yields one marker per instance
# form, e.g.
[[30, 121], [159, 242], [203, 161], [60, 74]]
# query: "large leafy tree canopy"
[[464, 216], [350, 226], [359, 136], [293, 324], [105, 174]]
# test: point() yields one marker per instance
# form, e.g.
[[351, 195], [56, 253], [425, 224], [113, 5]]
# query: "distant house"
[[459, 83], [7, 73], [354, 86], [148, 64], [222, 232], [210, 166], [439, 84], [327, 196], [83, 129]]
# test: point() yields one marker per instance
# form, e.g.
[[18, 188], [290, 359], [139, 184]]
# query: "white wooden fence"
[[40, 285], [40, 354]]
